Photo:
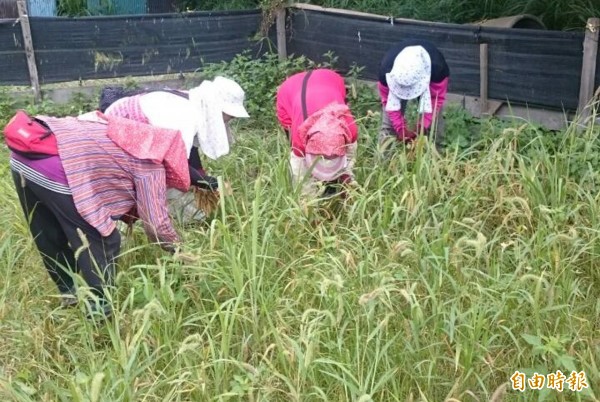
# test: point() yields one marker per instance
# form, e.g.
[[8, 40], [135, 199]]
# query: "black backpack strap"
[[303, 95], [110, 95], [174, 92]]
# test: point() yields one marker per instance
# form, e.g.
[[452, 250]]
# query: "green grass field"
[[439, 278]]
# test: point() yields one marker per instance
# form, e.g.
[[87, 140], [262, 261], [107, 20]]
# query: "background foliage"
[[556, 14]]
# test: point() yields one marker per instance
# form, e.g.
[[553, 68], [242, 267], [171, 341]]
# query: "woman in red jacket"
[[312, 109]]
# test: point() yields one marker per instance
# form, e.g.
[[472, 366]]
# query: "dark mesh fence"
[[536, 67], [101, 47]]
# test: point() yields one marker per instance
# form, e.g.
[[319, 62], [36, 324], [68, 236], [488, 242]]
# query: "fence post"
[[29, 53], [487, 106], [588, 68], [483, 78], [281, 35]]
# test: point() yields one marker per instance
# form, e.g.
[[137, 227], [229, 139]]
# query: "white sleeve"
[[170, 111], [297, 168], [351, 157]]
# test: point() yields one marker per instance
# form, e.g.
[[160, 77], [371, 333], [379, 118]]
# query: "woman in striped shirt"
[[106, 169]]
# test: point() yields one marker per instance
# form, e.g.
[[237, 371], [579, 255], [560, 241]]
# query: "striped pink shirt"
[[106, 182]]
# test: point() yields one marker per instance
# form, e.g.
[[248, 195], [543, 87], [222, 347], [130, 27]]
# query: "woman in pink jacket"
[[311, 107], [409, 70]]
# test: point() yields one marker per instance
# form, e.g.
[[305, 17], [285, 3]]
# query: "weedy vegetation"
[[442, 275], [556, 14]]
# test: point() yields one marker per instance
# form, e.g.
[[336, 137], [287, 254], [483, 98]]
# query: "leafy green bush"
[[556, 14]]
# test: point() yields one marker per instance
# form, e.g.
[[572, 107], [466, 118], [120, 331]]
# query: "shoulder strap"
[[110, 95], [43, 124], [174, 92], [303, 95]]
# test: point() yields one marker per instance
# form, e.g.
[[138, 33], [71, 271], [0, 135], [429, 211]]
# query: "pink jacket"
[[324, 87], [438, 92]]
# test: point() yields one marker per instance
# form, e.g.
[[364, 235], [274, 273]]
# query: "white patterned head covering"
[[409, 79]]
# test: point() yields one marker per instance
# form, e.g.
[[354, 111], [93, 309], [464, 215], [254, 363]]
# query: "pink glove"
[[407, 136]]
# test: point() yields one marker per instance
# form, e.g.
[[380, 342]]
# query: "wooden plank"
[[391, 19], [281, 35], [483, 78], [487, 106], [29, 52], [588, 69]]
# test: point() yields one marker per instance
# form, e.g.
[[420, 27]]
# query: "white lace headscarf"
[[409, 79]]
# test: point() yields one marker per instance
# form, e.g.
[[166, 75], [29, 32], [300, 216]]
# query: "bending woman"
[[201, 115], [99, 170], [412, 69], [312, 109]]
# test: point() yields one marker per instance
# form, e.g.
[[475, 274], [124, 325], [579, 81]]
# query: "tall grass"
[[439, 278]]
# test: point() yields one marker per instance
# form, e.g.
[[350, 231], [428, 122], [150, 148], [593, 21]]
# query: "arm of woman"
[[438, 91], [151, 202], [281, 107], [396, 117], [203, 181], [297, 168]]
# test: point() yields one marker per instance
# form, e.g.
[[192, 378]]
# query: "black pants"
[[55, 225]]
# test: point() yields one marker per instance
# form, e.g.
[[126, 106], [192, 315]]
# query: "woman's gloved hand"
[[201, 180], [207, 183], [406, 136], [130, 217]]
